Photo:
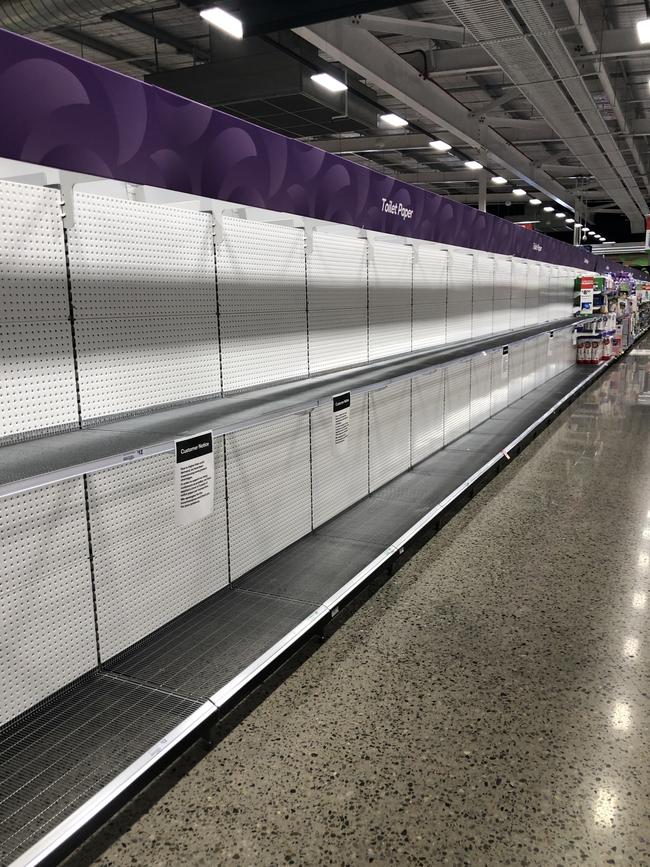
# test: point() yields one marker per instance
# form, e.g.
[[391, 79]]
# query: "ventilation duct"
[[30, 16]]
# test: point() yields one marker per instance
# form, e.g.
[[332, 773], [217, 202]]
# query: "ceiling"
[[553, 96]]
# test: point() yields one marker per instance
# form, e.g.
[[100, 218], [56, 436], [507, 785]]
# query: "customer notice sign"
[[340, 421], [193, 478]]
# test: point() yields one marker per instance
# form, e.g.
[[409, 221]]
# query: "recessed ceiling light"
[[548, 209], [439, 145], [393, 120], [643, 30], [473, 165], [534, 201], [324, 79], [561, 215], [569, 220], [518, 192], [591, 232], [578, 225], [497, 179], [224, 21]]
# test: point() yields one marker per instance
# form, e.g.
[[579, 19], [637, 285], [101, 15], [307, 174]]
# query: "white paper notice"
[[194, 478], [341, 421]]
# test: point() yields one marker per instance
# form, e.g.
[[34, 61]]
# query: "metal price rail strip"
[[68, 762], [34, 463]]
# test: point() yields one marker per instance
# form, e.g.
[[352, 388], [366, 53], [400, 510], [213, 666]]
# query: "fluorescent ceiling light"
[[518, 192], [569, 220], [561, 215], [526, 222], [591, 232], [548, 209], [324, 79], [497, 179], [578, 225], [224, 21], [534, 201], [439, 145], [473, 165], [393, 120], [643, 30], [609, 242]]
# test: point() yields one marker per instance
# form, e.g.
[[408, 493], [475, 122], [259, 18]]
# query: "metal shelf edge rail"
[[235, 411], [46, 848]]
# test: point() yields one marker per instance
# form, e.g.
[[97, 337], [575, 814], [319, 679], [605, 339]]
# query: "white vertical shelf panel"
[[515, 371], [148, 570], [546, 293], [37, 380], [518, 296], [502, 293], [47, 638], [269, 490], [529, 365], [144, 296], [531, 310], [543, 350], [483, 295], [262, 303], [429, 296], [459, 296], [499, 381], [337, 292], [457, 400], [427, 425], [339, 477], [390, 282], [390, 432], [481, 376]]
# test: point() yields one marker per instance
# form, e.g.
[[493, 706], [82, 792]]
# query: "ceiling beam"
[[370, 144], [149, 28], [621, 42], [368, 57], [506, 97], [461, 61], [408, 27], [78, 36]]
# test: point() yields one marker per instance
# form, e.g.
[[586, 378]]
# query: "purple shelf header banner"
[[66, 113]]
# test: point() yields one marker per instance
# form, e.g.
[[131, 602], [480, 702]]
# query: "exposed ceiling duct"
[[30, 16], [521, 56]]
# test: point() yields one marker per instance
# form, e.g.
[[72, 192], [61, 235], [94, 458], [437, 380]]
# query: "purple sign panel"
[[64, 112]]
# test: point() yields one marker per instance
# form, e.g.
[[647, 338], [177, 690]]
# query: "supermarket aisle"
[[489, 705]]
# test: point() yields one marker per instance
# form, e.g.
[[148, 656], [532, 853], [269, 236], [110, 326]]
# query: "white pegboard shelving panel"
[[390, 282], [337, 293], [531, 310], [544, 349], [515, 371], [389, 428], [37, 380], [269, 490], [428, 414], [545, 294], [519, 283], [127, 366], [528, 365], [47, 638], [459, 296], [502, 294], [457, 400], [483, 294], [480, 389], [148, 570], [429, 296], [339, 477], [499, 381], [144, 298], [261, 278]]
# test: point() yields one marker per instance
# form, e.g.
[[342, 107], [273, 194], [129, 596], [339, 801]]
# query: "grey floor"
[[489, 705]]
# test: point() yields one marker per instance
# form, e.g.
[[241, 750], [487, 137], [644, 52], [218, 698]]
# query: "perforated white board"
[[429, 296], [390, 280], [47, 638], [480, 388], [263, 303], [499, 381], [459, 296], [339, 477], [518, 294], [532, 313], [502, 293], [483, 294], [529, 365], [269, 490], [148, 569], [337, 292], [515, 371], [37, 383], [427, 431], [144, 294], [457, 400], [390, 431]]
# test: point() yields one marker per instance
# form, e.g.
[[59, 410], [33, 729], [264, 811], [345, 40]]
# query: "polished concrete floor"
[[489, 705]]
